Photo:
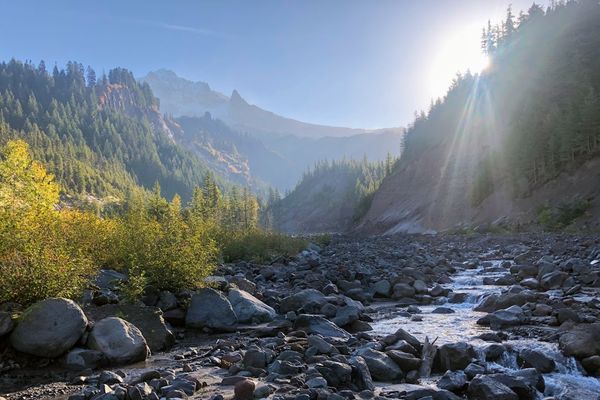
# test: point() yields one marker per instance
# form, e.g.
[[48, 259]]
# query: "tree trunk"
[[427, 357]]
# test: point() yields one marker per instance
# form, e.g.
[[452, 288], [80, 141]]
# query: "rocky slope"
[[422, 196]]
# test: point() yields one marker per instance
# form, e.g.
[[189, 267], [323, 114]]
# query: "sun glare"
[[461, 51]]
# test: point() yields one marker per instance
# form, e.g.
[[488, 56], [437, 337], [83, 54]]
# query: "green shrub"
[[44, 252], [554, 219], [323, 239], [258, 246]]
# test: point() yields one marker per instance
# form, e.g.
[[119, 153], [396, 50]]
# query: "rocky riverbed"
[[408, 317]]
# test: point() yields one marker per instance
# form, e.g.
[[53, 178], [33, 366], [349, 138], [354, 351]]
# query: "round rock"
[[120, 341], [49, 328]]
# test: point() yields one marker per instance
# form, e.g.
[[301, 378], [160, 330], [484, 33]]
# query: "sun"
[[458, 52]]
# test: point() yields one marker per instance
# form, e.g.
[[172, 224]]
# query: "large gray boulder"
[[248, 308], [486, 388], [80, 359], [120, 341], [361, 376], [149, 320], [49, 328], [381, 366], [581, 341], [315, 324], [301, 299], [511, 316], [210, 309], [455, 356], [536, 359]]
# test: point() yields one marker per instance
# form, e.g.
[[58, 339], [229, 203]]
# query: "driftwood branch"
[[427, 357]]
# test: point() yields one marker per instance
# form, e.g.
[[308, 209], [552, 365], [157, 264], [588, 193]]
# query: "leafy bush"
[[553, 219], [43, 252], [258, 246], [156, 241]]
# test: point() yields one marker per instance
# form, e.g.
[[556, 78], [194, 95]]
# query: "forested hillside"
[[491, 149], [98, 135], [330, 197]]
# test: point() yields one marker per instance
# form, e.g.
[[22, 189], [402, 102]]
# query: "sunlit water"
[[566, 382]]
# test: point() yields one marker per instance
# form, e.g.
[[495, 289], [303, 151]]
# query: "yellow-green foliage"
[[47, 250], [42, 250], [155, 240], [258, 245]]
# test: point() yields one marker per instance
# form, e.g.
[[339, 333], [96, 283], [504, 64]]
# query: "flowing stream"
[[567, 381]]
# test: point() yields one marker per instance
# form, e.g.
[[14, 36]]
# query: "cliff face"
[[122, 98]]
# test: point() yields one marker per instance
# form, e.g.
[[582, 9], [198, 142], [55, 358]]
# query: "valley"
[[160, 239]]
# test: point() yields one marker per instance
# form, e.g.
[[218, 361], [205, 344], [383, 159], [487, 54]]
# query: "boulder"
[[517, 384], [167, 301], [455, 356], [248, 308], [315, 324], [453, 381], [346, 315], [244, 390], [382, 288], [402, 290], [592, 365], [553, 280], [443, 310], [498, 302], [49, 328], [536, 359], [532, 377], [406, 362], [244, 284], [511, 316], [322, 346], [298, 300], [420, 286], [400, 335], [336, 373], [485, 388], [149, 320], [109, 279], [567, 314], [361, 376], [80, 359], [581, 341], [255, 358], [120, 341], [381, 366], [210, 309]]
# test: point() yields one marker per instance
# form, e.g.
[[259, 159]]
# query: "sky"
[[364, 64]]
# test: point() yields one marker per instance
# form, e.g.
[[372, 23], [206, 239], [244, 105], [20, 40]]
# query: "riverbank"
[[351, 319]]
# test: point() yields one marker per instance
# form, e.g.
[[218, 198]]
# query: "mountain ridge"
[[183, 97]]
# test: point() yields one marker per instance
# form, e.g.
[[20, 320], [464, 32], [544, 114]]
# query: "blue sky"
[[338, 62]]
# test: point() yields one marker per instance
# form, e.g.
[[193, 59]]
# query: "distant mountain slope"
[[181, 97], [517, 145], [330, 197], [98, 136], [278, 161], [238, 157], [249, 144]]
